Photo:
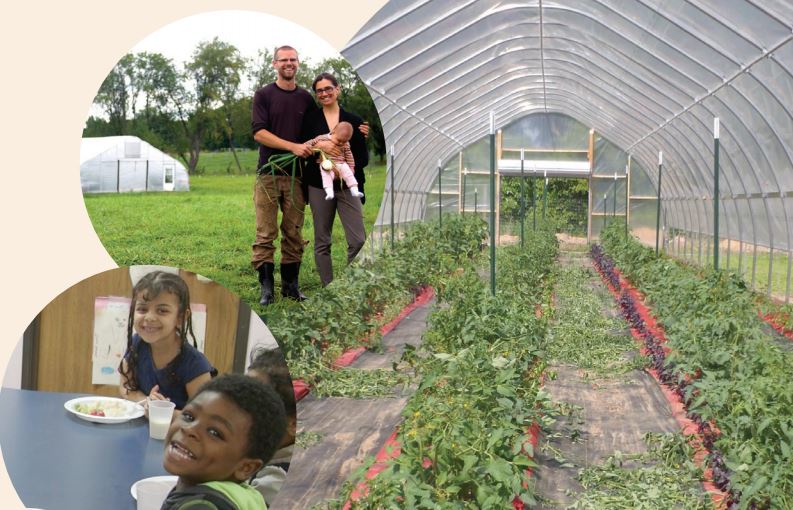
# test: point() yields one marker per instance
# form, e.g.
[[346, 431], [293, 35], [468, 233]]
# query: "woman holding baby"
[[349, 207]]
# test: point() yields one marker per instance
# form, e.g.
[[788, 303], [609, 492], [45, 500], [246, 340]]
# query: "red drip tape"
[[534, 439], [302, 388], [348, 357], [689, 428], [422, 298], [534, 428], [649, 320], [776, 321], [390, 450]]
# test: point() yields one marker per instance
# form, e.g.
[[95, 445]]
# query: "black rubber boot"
[[289, 286], [266, 272]]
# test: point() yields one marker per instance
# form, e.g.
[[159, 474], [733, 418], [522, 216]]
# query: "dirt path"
[[347, 430], [606, 413]]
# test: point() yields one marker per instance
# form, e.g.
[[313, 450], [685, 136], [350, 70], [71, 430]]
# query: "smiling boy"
[[224, 435]]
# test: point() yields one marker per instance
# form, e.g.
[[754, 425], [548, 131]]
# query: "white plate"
[[130, 410], [168, 480]]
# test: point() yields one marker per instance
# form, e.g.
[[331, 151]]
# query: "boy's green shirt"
[[242, 494]]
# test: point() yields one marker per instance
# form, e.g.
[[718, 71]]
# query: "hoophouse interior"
[[621, 93]]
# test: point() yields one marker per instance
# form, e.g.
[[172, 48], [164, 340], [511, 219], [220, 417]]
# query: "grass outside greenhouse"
[[754, 264], [209, 230]]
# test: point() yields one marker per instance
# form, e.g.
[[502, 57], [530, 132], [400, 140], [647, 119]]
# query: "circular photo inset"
[[144, 387], [204, 147]]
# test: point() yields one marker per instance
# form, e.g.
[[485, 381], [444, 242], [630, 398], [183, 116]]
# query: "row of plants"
[[733, 377], [367, 294], [465, 439], [654, 341]]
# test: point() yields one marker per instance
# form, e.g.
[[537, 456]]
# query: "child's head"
[[269, 366], [226, 432], [160, 306], [159, 312], [341, 133]]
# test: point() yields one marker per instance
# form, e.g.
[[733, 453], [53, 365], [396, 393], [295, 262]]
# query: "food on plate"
[[108, 408]]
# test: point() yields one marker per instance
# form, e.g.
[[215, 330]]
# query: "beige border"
[[55, 55]]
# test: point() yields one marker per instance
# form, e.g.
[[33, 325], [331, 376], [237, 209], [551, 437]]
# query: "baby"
[[224, 436], [344, 164]]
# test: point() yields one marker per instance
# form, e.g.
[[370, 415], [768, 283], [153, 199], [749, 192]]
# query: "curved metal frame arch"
[[640, 109], [778, 140]]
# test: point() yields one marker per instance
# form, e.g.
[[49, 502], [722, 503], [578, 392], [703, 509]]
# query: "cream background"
[[55, 55]]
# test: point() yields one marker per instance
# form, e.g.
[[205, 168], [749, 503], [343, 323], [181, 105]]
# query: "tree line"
[[205, 104]]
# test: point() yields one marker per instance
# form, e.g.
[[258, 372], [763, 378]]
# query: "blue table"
[[57, 461]]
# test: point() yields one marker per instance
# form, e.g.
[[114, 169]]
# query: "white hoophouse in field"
[[115, 164]]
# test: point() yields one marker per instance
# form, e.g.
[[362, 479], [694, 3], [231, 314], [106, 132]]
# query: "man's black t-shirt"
[[280, 112]]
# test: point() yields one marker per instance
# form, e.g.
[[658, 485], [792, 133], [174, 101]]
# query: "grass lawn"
[[209, 230], [741, 264], [779, 271], [222, 163]]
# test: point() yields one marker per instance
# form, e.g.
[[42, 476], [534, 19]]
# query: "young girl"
[[160, 363]]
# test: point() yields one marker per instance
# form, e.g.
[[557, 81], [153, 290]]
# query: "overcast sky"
[[249, 31]]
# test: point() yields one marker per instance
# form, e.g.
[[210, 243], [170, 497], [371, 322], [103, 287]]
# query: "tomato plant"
[[728, 368], [465, 437]]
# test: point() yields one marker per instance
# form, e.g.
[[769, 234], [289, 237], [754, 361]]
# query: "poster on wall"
[[111, 314]]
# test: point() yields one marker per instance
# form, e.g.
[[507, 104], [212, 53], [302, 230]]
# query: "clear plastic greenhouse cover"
[[645, 76], [115, 164]]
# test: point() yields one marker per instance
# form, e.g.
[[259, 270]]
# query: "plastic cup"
[[160, 414], [151, 494]]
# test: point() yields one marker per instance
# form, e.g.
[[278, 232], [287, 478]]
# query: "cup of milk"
[[160, 414]]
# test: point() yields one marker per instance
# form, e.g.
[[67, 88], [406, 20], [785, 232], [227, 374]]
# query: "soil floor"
[[608, 414], [349, 430]]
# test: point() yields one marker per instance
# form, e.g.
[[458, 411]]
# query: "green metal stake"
[[392, 196], [440, 198], [658, 202], [614, 208], [605, 208], [544, 194], [493, 203], [716, 193], [522, 199], [476, 199], [627, 197], [465, 174], [533, 202]]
